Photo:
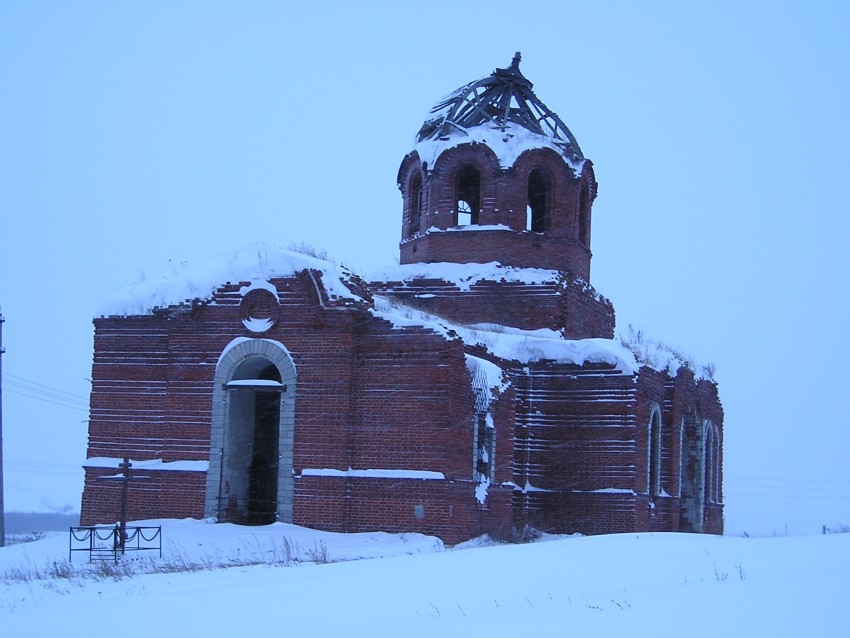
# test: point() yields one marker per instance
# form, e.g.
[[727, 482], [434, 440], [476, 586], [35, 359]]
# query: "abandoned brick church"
[[476, 387]]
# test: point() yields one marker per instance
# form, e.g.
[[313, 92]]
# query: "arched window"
[[683, 458], [468, 196], [584, 215], [483, 433], [415, 204], [712, 464], [718, 496], [654, 451], [537, 209], [709, 448]]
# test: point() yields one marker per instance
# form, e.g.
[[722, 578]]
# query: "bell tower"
[[495, 175]]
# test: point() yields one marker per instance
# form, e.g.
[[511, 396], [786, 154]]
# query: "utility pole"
[[2, 507]]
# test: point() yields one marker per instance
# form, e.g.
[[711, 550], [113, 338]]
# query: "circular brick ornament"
[[259, 310]]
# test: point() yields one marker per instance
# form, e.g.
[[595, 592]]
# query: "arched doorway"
[[250, 475]]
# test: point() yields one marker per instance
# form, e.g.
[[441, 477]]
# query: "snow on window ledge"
[[375, 473], [148, 464]]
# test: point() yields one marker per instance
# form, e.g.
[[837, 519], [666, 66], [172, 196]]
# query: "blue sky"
[[136, 133]]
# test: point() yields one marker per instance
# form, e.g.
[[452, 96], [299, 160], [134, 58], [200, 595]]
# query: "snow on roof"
[[401, 316], [529, 349], [525, 346], [628, 353], [255, 264], [508, 141], [661, 356], [464, 276]]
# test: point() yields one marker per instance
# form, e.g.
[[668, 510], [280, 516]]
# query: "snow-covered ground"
[[410, 585]]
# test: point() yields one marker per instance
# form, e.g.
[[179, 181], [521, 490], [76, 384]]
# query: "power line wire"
[[34, 392], [21, 380], [783, 479], [64, 405], [43, 392], [729, 493]]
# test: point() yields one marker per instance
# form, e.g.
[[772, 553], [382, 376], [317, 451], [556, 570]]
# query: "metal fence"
[[104, 542]]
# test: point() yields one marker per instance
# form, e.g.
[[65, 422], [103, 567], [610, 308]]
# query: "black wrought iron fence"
[[105, 542]]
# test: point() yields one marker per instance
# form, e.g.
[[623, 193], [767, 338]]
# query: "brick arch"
[[564, 185], [411, 167], [584, 205], [539, 157], [246, 357], [442, 189], [411, 161], [414, 203]]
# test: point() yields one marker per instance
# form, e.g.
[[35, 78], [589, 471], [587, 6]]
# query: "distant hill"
[[28, 522]]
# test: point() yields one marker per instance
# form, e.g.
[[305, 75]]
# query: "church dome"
[[493, 161], [502, 112]]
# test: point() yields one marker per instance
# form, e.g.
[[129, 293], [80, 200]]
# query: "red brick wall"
[[153, 494], [586, 513], [680, 397], [510, 248], [575, 442], [354, 504], [582, 437], [567, 305]]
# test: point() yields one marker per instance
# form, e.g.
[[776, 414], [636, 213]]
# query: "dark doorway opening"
[[262, 475], [252, 455]]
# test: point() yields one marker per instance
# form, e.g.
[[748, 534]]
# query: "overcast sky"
[[136, 133]]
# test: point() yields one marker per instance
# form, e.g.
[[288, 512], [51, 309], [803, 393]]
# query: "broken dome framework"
[[504, 96]]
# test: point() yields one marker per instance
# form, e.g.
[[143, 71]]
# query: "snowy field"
[[408, 585]]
